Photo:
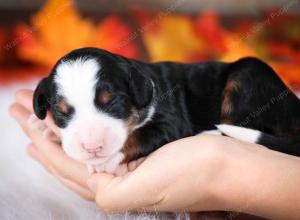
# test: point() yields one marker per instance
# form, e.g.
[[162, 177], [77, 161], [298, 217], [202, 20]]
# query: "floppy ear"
[[141, 88], [40, 99]]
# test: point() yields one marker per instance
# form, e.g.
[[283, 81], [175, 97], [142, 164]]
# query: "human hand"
[[200, 173], [172, 161], [184, 175], [207, 173]]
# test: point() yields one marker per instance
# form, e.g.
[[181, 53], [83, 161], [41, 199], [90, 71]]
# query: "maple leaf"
[[172, 38], [113, 35], [55, 30], [208, 28], [58, 28]]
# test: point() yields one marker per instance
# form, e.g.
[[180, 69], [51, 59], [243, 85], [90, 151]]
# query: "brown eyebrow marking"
[[104, 96], [63, 106]]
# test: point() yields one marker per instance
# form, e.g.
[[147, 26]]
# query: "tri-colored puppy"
[[111, 109]]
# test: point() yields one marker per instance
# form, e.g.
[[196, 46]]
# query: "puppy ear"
[[40, 99], [141, 88]]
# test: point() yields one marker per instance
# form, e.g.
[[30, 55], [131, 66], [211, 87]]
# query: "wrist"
[[260, 182], [217, 157], [238, 184], [234, 168]]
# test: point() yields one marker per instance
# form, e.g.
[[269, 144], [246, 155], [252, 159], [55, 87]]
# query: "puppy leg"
[[112, 164], [109, 166]]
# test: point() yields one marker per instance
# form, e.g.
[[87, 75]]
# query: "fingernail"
[[92, 184]]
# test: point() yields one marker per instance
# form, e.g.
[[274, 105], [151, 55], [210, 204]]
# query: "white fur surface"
[[27, 191], [241, 133]]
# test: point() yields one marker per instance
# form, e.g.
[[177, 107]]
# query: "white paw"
[[109, 166], [112, 164], [91, 169], [99, 168]]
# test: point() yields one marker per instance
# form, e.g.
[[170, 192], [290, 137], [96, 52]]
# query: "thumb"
[[106, 189], [133, 191]]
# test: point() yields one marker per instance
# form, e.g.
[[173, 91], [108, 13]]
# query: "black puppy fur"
[[188, 99]]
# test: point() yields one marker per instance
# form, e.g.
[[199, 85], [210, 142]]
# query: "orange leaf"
[[172, 38], [58, 28], [113, 35], [208, 28]]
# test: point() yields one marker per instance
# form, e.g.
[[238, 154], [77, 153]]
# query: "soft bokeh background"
[[34, 34]]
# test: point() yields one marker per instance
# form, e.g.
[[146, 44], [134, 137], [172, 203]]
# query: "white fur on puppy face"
[[76, 83]]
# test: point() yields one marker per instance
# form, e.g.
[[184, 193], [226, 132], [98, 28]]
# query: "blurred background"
[[34, 34]]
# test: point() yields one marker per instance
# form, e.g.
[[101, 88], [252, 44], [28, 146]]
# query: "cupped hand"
[[180, 176], [45, 146], [158, 183], [187, 174]]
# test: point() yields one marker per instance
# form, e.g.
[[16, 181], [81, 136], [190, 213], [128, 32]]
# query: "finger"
[[34, 154], [112, 192], [50, 123], [65, 166], [21, 115], [30, 125], [83, 192], [25, 98]]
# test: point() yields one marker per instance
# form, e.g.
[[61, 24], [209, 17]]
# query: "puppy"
[[113, 110]]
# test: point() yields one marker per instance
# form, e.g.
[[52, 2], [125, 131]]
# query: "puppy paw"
[[109, 166], [112, 164]]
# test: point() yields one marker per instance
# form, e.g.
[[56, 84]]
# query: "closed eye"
[[63, 106], [107, 107]]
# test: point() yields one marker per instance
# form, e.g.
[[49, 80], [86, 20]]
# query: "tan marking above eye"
[[63, 106], [104, 96]]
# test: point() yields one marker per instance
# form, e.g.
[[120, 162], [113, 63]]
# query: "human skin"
[[200, 173]]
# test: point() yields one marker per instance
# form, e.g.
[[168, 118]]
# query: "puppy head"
[[97, 99]]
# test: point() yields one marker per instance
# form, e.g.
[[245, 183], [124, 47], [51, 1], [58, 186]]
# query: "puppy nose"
[[93, 147]]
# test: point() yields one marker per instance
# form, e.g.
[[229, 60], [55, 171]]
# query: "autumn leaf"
[[58, 28], [113, 35], [172, 38], [208, 28]]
